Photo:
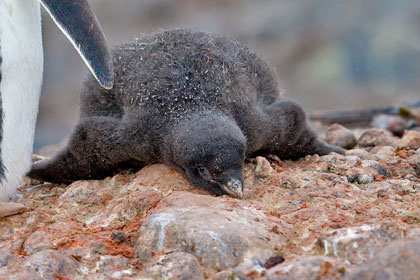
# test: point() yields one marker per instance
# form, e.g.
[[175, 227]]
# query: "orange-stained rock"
[[222, 232]]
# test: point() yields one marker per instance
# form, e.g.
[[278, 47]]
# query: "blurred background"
[[329, 54]]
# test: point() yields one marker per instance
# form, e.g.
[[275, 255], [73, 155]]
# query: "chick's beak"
[[234, 187]]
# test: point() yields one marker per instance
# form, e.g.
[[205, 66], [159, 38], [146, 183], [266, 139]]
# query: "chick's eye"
[[204, 173]]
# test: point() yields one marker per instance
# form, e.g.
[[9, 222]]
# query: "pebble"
[[51, 264], [365, 178], [340, 136], [177, 265], [385, 152], [410, 140], [394, 123], [361, 153], [263, 168], [353, 158], [375, 137]]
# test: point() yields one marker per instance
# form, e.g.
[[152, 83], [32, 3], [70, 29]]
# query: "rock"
[[36, 242], [340, 136], [365, 178], [273, 261], [9, 209], [375, 137], [353, 158], [263, 168], [399, 260], [5, 257], [309, 267], [221, 232], [22, 274], [51, 264], [112, 267], [410, 140], [176, 266], [357, 245], [401, 169], [362, 154], [384, 152], [414, 233], [118, 236], [393, 123], [117, 200]]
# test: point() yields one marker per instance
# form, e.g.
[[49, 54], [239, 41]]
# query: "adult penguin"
[[21, 68]]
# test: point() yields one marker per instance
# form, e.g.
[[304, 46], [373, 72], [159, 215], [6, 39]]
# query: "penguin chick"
[[209, 149], [198, 102]]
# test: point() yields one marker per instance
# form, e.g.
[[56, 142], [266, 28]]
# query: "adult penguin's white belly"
[[20, 86]]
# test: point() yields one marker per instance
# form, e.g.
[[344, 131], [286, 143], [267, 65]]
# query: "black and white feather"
[[21, 69], [79, 24]]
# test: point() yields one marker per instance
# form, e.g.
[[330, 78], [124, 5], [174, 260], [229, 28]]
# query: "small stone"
[[375, 137], [177, 265], [10, 208], [5, 257], [414, 233], [401, 169], [410, 140], [340, 136], [353, 158], [273, 261], [332, 158], [393, 123], [51, 263], [118, 236], [361, 153], [112, 266], [263, 169], [365, 178], [385, 152], [306, 267]]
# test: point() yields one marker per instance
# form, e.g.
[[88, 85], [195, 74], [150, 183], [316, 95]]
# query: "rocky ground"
[[332, 217]]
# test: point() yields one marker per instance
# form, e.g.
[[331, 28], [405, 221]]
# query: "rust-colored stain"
[[61, 277], [114, 249], [325, 269], [402, 153]]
